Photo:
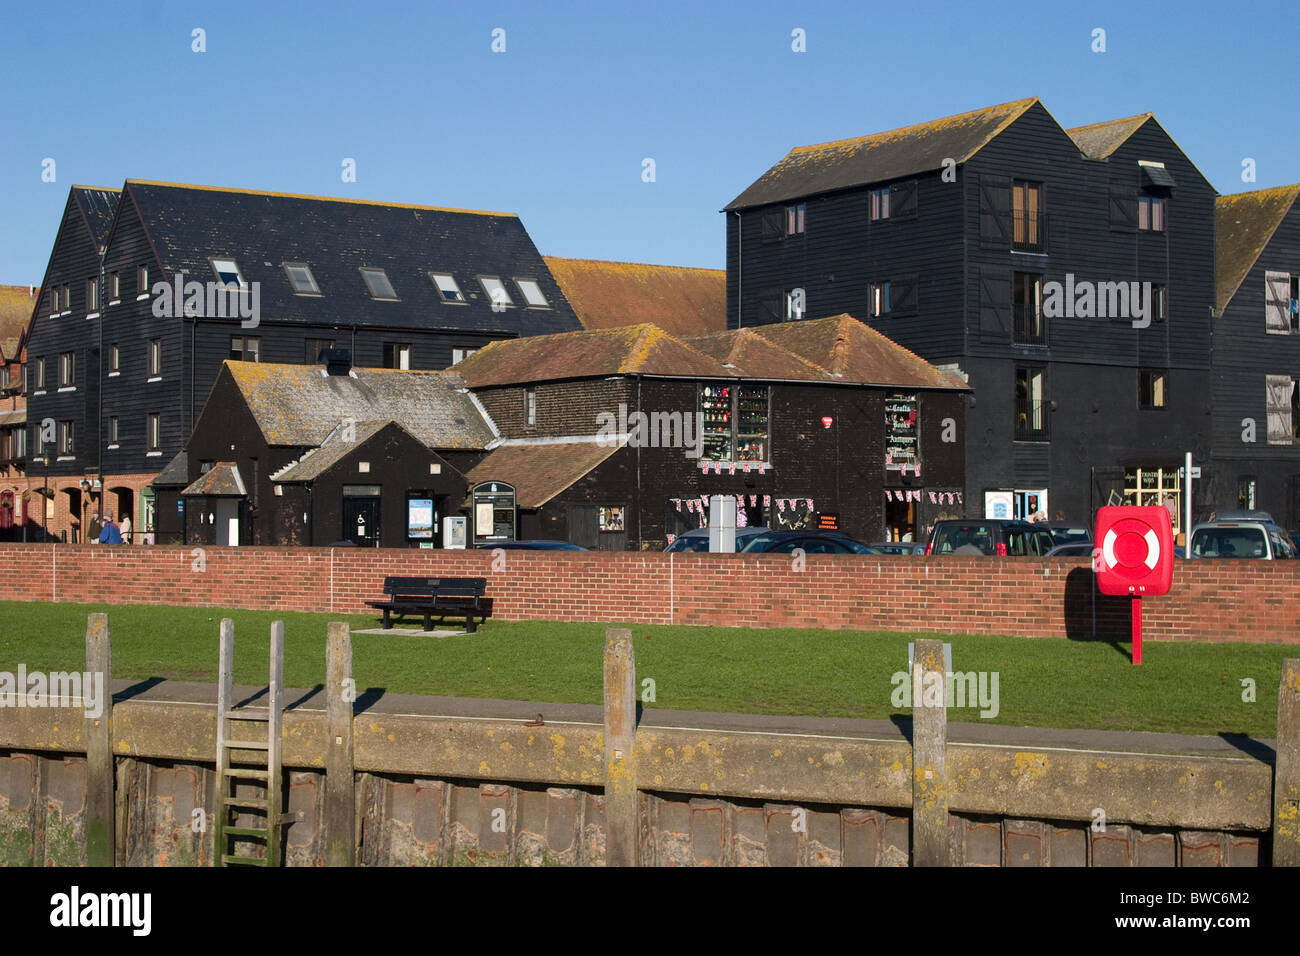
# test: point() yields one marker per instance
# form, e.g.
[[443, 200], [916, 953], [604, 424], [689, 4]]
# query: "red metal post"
[[1137, 631]]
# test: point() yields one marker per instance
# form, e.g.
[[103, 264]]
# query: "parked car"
[[810, 542], [1070, 533], [531, 546], [1241, 539], [989, 536], [897, 547], [697, 539], [1079, 549]]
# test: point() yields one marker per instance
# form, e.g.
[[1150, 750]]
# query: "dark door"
[[361, 521], [584, 526]]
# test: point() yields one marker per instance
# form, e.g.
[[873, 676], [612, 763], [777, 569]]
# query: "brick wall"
[[1211, 600]]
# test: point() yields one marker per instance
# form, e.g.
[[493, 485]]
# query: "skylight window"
[[532, 293], [228, 272], [496, 291], [378, 284], [300, 277], [447, 287]]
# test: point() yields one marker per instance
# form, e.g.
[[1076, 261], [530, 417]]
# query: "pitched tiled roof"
[[176, 474], [1243, 225], [807, 170], [97, 204], [301, 405], [607, 295], [16, 306], [222, 480], [540, 470], [334, 449], [1099, 140], [261, 231], [854, 352], [838, 350], [638, 349]]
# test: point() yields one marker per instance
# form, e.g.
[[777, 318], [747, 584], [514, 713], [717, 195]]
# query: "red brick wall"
[[1211, 600]]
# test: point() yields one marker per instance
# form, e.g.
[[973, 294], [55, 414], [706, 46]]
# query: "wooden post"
[[1286, 769], [622, 801], [929, 743], [340, 787], [101, 812]]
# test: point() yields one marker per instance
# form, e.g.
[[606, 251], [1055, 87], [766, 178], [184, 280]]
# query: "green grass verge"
[[1180, 688]]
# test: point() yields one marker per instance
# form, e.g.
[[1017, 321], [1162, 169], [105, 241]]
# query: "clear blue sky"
[[556, 127]]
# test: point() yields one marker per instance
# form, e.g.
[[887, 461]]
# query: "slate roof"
[[836, 350], [299, 405], [607, 295], [222, 480], [189, 225], [98, 204], [176, 474], [540, 470], [808, 170], [637, 349], [16, 307], [1099, 140], [334, 449], [1243, 225]]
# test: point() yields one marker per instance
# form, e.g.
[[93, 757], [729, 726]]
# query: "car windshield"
[[689, 543], [973, 536], [1229, 543], [1063, 535]]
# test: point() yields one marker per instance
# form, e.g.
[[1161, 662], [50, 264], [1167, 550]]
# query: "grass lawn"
[[1180, 688]]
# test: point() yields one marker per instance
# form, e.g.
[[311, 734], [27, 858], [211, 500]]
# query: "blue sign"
[[180, 506]]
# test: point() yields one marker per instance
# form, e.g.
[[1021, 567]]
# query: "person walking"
[[110, 534], [125, 527], [96, 526]]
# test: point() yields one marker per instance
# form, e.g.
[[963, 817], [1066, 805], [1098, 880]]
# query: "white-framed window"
[[92, 295], [112, 430], [496, 291], [530, 405], [1151, 213], [378, 284], [301, 279], [67, 369], [141, 282], [878, 299], [1153, 389], [532, 293], [458, 354], [1155, 486], [397, 355], [880, 203], [794, 219], [246, 348], [228, 273], [446, 285], [114, 359], [796, 305], [114, 285], [66, 444], [153, 431], [40, 372]]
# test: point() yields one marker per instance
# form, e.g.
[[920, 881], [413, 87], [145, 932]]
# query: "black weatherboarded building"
[[995, 242]]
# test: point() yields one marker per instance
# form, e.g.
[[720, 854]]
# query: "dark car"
[[897, 547], [531, 546], [1080, 549], [1070, 533], [697, 539], [989, 536], [810, 542]]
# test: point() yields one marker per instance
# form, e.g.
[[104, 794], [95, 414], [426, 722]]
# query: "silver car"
[[1241, 538]]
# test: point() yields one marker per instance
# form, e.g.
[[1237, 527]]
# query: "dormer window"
[[301, 279], [227, 271], [496, 291], [447, 287], [532, 294], [378, 284]]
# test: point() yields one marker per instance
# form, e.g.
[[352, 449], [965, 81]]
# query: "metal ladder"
[[231, 773]]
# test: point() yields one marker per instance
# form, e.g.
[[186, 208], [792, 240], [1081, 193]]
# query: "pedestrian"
[[96, 526], [125, 527], [110, 534], [148, 534]]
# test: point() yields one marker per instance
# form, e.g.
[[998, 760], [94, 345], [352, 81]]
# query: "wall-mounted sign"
[[419, 519], [828, 521], [999, 504], [902, 432], [494, 512]]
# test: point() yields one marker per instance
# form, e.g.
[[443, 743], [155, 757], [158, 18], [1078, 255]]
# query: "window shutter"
[[902, 294], [773, 223], [1123, 209], [995, 306], [1279, 408], [771, 306], [995, 212], [1277, 302], [902, 200]]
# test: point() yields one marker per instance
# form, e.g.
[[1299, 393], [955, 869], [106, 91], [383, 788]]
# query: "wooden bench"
[[457, 597]]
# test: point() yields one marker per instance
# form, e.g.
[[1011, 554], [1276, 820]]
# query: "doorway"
[[361, 520], [227, 522]]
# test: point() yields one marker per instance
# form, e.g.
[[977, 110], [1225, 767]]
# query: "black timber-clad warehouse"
[[399, 286], [947, 236], [1256, 460]]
